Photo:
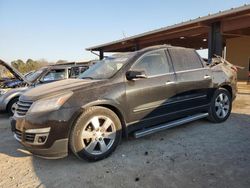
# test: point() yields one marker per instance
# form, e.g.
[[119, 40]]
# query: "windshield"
[[106, 68], [33, 76], [55, 74]]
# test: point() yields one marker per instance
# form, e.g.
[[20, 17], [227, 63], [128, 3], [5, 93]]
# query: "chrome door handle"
[[169, 82], [206, 77]]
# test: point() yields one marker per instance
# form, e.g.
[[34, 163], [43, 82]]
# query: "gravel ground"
[[198, 154]]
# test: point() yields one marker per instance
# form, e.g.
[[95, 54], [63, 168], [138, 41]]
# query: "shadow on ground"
[[198, 154]]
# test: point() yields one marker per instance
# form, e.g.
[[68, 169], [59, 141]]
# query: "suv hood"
[[15, 72], [57, 87]]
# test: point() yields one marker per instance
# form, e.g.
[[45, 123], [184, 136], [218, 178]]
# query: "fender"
[[112, 105], [7, 97]]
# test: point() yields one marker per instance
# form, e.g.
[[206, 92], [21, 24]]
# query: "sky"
[[62, 29]]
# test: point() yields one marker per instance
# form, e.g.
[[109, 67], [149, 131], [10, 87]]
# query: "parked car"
[[136, 93], [11, 89]]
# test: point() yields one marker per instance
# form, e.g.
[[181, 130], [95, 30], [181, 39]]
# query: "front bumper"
[[2, 104], [45, 135]]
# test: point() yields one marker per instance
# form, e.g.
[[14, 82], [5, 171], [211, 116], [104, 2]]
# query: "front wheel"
[[96, 134], [220, 107], [12, 106]]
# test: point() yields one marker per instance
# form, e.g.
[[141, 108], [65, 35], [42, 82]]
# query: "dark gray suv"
[[136, 93]]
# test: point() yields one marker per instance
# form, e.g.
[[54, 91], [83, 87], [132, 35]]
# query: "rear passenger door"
[[193, 79]]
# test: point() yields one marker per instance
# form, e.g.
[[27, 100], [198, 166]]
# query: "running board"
[[168, 125]]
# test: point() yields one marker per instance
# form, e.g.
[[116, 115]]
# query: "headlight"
[[50, 104]]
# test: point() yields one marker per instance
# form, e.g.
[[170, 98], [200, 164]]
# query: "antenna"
[[124, 34]]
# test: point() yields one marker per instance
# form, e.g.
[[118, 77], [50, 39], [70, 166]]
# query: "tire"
[[11, 107], [95, 134], [221, 106]]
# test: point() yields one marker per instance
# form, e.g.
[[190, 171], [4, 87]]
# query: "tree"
[[30, 65], [19, 65]]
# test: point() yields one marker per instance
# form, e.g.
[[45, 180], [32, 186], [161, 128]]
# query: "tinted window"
[[153, 64], [185, 59], [76, 71]]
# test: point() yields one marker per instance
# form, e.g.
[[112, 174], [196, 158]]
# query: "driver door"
[[147, 98]]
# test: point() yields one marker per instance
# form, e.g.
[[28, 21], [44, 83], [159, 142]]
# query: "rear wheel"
[[221, 105], [11, 108], [96, 134]]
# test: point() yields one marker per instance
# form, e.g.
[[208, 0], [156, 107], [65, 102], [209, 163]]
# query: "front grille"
[[28, 137], [23, 107]]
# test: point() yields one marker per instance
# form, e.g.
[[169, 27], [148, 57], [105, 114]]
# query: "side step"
[[168, 125]]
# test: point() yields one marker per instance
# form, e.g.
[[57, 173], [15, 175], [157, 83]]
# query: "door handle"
[[169, 82], [206, 77]]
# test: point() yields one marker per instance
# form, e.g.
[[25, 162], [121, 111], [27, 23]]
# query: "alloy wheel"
[[14, 107], [98, 135], [222, 105]]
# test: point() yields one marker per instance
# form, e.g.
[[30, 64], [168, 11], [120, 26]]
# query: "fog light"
[[42, 139]]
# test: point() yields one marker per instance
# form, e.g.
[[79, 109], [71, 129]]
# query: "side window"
[[185, 59], [74, 72], [83, 69], [153, 64], [57, 74]]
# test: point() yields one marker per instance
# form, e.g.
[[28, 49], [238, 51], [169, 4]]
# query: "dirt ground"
[[198, 154]]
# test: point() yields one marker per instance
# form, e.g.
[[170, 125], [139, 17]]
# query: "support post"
[[137, 46], [101, 55], [215, 41]]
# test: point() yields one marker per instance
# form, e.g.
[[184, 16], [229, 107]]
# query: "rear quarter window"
[[185, 59]]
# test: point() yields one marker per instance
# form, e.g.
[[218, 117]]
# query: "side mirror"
[[131, 75]]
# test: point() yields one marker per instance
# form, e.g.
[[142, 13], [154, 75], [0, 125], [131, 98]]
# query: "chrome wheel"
[[98, 135], [14, 107], [222, 105]]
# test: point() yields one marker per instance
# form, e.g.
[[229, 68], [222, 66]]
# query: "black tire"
[[215, 110], [82, 146], [10, 106]]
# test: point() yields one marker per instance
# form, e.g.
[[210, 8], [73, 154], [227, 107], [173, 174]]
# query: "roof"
[[163, 46], [71, 64], [201, 22]]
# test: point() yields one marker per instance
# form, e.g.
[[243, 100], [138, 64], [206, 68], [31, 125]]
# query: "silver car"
[[12, 88]]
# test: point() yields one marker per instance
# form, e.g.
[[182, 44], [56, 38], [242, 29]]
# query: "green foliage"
[[29, 65]]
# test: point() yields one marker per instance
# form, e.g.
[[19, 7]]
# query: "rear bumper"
[[2, 104]]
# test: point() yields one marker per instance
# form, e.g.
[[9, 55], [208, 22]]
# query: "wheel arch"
[[120, 116], [11, 99], [228, 88], [111, 106]]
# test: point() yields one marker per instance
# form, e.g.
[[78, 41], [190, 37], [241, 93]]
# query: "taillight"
[[234, 68]]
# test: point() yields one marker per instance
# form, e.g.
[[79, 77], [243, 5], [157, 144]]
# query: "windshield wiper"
[[87, 78]]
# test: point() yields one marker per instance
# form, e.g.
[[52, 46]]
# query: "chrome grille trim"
[[23, 107]]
